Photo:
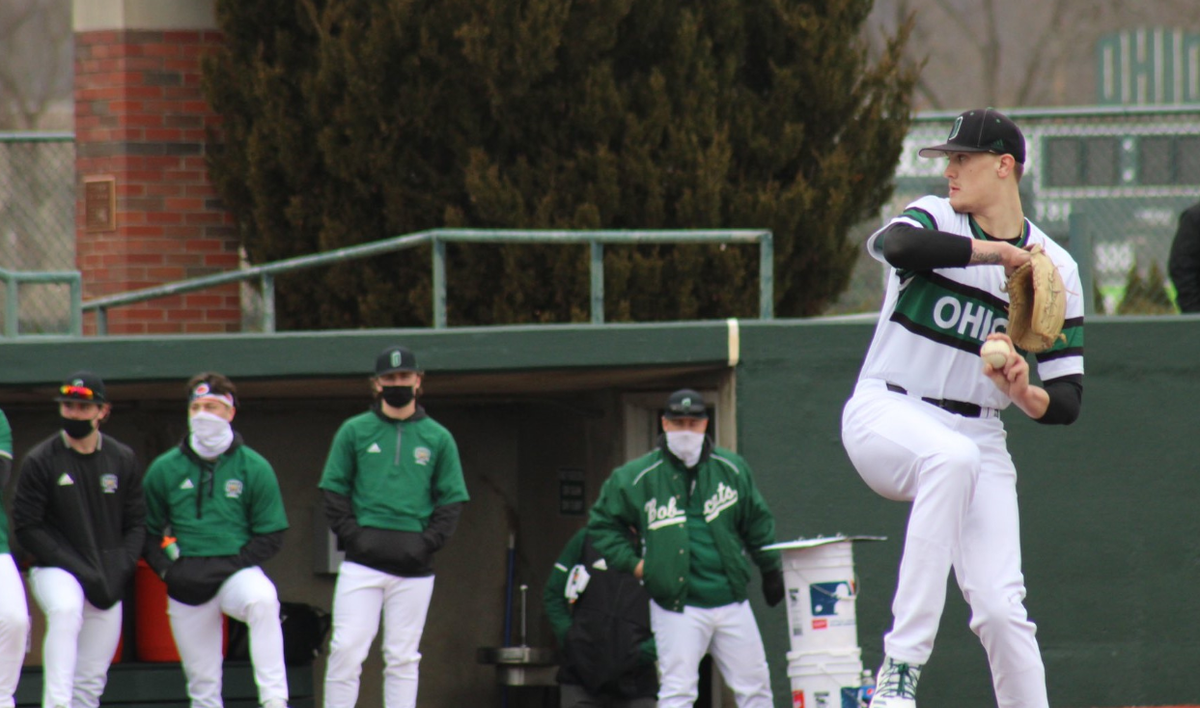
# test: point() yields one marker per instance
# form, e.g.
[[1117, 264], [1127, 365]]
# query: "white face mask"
[[211, 434], [686, 445]]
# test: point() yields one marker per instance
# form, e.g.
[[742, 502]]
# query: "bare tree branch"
[[990, 54], [956, 16], [1034, 66], [35, 46]]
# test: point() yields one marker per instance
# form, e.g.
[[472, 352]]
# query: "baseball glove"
[[1037, 303]]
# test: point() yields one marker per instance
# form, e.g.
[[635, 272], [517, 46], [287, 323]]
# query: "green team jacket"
[[6, 452], [650, 494], [217, 513], [395, 472]]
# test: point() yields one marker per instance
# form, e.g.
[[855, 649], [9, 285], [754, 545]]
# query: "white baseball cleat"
[[896, 685]]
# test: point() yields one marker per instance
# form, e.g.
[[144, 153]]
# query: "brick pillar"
[[140, 130]]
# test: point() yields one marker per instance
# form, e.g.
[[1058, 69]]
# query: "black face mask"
[[77, 429], [398, 396]]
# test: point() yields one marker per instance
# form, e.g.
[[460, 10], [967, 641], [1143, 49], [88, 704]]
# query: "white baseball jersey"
[[941, 317]]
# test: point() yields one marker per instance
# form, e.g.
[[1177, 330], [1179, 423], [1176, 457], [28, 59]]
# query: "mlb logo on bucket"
[[797, 699], [825, 597]]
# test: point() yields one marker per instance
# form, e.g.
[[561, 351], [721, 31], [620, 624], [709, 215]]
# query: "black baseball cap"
[[393, 359], [982, 130], [685, 403], [82, 386]]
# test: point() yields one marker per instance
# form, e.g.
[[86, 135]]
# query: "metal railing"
[[438, 238], [13, 280]]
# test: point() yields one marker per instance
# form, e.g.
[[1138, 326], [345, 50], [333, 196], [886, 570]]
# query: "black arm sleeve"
[[339, 512], [260, 549], [1184, 261], [911, 248], [442, 524], [1066, 397]]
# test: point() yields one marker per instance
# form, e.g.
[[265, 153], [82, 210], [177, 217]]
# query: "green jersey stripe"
[[1063, 353], [977, 232], [922, 217], [968, 291], [934, 335]]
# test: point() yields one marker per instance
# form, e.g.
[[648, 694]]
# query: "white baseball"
[[995, 352]]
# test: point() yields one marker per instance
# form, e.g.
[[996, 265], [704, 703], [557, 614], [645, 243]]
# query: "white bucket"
[[825, 679], [821, 594]]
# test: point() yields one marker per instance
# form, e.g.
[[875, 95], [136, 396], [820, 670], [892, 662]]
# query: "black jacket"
[[609, 623], [82, 513], [1184, 261]]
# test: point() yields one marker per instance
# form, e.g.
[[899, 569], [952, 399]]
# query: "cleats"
[[896, 685]]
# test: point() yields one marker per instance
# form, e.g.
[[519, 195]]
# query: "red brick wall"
[[141, 118]]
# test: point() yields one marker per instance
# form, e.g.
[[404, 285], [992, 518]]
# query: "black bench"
[[138, 685]]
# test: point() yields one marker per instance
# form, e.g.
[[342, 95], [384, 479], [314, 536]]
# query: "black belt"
[[963, 408]]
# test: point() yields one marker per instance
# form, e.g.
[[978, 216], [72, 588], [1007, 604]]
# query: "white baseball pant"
[[14, 628], [247, 596], [729, 633], [80, 642], [961, 481], [359, 597]]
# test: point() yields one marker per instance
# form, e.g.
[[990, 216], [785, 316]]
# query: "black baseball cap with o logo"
[[82, 386], [685, 403], [393, 359], [982, 130]]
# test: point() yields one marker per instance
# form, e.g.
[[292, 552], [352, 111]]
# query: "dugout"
[[1111, 538]]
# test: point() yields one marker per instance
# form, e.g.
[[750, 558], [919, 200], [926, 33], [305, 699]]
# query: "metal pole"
[[11, 310], [597, 270], [101, 321], [766, 276], [439, 283], [77, 306], [268, 302], [1079, 243]]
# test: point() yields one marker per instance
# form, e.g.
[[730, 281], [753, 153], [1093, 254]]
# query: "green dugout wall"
[[1110, 528]]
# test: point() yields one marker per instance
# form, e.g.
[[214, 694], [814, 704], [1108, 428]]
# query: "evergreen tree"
[[348, 121], [1147, 296]]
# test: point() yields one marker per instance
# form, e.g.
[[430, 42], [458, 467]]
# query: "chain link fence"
[[37, 229], [1115, 178]]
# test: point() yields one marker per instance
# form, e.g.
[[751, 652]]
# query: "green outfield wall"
[[1110, 524]]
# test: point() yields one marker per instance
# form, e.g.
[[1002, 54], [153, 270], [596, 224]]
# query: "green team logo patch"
[[422, 455], [949, 312], [233, 488], [108, 483]]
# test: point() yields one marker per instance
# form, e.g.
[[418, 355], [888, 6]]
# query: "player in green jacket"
[[221, 502], [698, 513], [14, 613], [393, 490]]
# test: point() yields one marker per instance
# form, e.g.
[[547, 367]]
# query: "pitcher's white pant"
[[80, 640], [247, 596], [361, 593], [14, 628], [961, 481], [729, 633]]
